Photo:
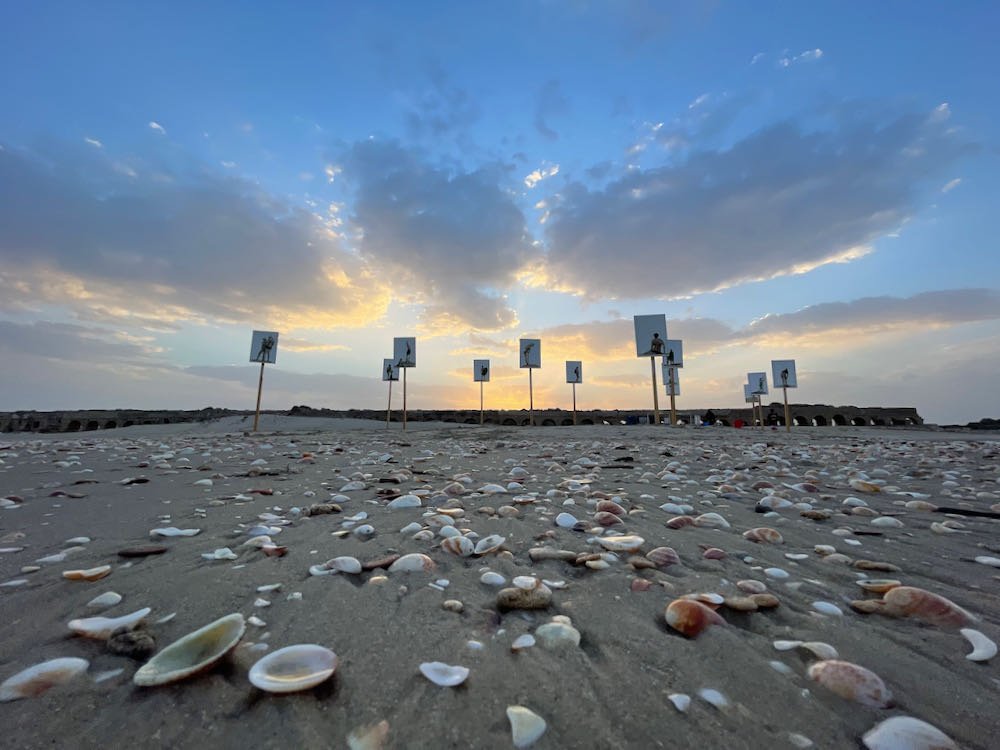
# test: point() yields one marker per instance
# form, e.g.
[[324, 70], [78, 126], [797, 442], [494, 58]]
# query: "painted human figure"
[[388, 371], [784, 377], [760, 385], [409, 351], [266, 345], [656, 345], [670, 357], [527, 352], [576, 372], [484, 371]]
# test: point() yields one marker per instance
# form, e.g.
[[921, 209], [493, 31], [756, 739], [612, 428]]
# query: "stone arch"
[[509, 421], [878, 422], [74, 426], [800, 422], [471, 420], [548, 423], [567, 423], [586, 420], [128, 423], [110, 424], [93, 425], [858, 422], [166, 420], [819, 421], [840, 420], [897, 422], [526, 423]]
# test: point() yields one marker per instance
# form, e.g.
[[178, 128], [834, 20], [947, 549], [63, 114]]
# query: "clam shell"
[[878, 585], [906, 733], [103, 627], [609, 506], [192, 653], [691, 617], [764, 535], [751, 586], [458, 545], [663, 556], [35, 680], [627, 543], [910, 601], [403, 501], [343, 564], [444, 675], [852, 682], [412, 563], [712, 521], [714, 553], [490, 543], [607, 519], [105, 600], [293, 668], [679, 522]]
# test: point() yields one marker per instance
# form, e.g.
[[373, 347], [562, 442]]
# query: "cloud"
[[810, 55], [445, 238], [169, 242], [153, 125], [549, 102], [756, 58], [951, 185], [540, 174], [781, 201], [93, 142], [442, 108], [291, 344], [71, 342]]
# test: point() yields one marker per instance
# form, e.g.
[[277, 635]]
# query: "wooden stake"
[[388, 409], [480, 403], [656, 396], [673, 406], [574, 404], [788, 422], [531, 400], [260, 388], [404, 397]]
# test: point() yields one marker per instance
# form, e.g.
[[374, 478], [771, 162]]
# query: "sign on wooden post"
[[530, 357], [404, 352], [651, 341], [263, 349]]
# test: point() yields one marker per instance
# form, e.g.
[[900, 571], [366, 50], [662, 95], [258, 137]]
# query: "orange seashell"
[[763, 534], [909, 601], [607, 519], [641, 584], [868, 606], [690, 617], [851, 681], [663, 556], [679, 522], [609, 506], [713, 553]]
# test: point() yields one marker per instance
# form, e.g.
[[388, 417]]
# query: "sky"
[[809, 181]]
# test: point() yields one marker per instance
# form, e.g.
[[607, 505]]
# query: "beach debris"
[[136, 644], [983, 648], [194, 652], [910, 601], [293, 668], [105, 600], [90, 574], [444, 675], [36, 680], [103, 627], [369, 736], [526, 727], [852, 682], [907, 733], [169, 531]]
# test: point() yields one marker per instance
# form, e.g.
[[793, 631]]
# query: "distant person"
[[761, 385], [409, 352], [388, 371], [266, 345], [772, 418]]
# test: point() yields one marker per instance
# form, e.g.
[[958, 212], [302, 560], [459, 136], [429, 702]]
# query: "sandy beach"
[[77, 503]]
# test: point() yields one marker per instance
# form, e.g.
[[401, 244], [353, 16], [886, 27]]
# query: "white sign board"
[[404, 351], [783, 373], [674, 353], [481, 371], [758, 383], [650, 335], [574, 372], [531, 353], [389, 370], [671, 380], [264, 347]]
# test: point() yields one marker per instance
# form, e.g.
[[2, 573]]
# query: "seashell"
[[174, 531], [607, 519], [867, 512], [920, 505], [403, 501], [412, 563], [490, 543], [691, 617], [458, 545], [786, 645], [91, 574], [192, 653], [741, 603], [776, 573], [816, 515], [679, 522], [566, 520], [945, 528], [862, 486], [223, 553], [342, 564], [765, 601], [37, 679], [763, 534], [750, 586], [909, 601], [713, 553], [820, 650], [875, 565], [640, 584], [365, 530], [714, 697], [102, 627], [492, 489], [368, 736], [663, 557], [868, 606], [293, 668], [628, 543], [852, 682], [878, 585], [887, 522], [673, 508], [522, 642], [526, 582], [105, 600], [906, 733], [492, 579], [827, 608], [554, 635], [444, 675], [525, 726], [983, 649], [610, 506], [712, 521], [681, 701], [993, 562], [597, 564]]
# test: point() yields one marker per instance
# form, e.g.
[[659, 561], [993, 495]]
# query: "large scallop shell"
[[763, 534], [852, 682], [102, 627], [910, 601], [907, 733], [35, 680], [293, 668], [192, 653], [690, 617]]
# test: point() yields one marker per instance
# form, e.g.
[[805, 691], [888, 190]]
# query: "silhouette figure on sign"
[[266, 345], [656, 345], [760, 385], [527, 352], [670, 357], [388, 372], [576, 371], [483, 371], [784, 376]]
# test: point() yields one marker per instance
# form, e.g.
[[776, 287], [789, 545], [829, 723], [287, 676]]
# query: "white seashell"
[[353, 487], [102, 627], [78, 540], [293, 668], [368, 736], [268, 587], [526, 582], [319, 570], [424, 535], [714, 697], [987, 560], [203, 483], [411, 528], [492, 489], [414, 562], [680, 700], [192, 653], [800, 740], [173, 531], [522, 642], [525, 726], [566, 520], [827, 608], [492, 579], [105, 600], [403, 501], [712, 521], [780, 667], [795, 556], [820, 650], [447, 532], [223, 553], [775, 573], [364, 530], [444, 675], [887, 521], [256, 621], [91, 574], [673, 509], [107, 675], [343, 564], [786, 645], [258, 602], [983, 649], [489, 544], [35, 680], [907, 733], [553, 635], [165, 619]]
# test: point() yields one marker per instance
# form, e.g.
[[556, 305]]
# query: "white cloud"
[[93, 142], [756, 58], [786, 61], [540, 174], [154, 125], [951, 185]]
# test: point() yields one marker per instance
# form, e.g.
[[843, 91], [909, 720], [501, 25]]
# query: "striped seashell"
[[607, 519], [764, 535], [852, 682], [459, 545], [663, 557], [910, 601], [609, 506], [691, 617], [679, 522]]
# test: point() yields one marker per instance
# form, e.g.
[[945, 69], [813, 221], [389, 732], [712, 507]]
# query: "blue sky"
[[782, 180]]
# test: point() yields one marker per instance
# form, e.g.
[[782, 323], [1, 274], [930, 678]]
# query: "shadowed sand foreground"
[[618, 687]]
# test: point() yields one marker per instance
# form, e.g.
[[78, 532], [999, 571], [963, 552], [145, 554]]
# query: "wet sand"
[[610, 691]]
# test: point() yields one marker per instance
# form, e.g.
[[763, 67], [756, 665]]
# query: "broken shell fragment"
[[628, 543], [37, 679], [444, 675], [103, 627], [878, 585], [906, 733], [764, 535], [192, 653], [525, 726], [105, 600], [852, 682], [690, 617], [91, 574], [983, 649], [293, 668]]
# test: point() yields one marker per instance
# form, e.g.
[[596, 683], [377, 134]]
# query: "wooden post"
[[260, 388], [760, 410], [574, 404], [656, 396], [404, 397], [388, 408], [531, 400], [673, 405], [480, 403], [788, 422]]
